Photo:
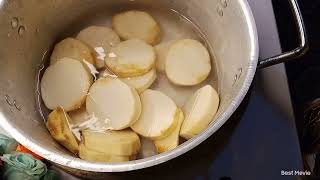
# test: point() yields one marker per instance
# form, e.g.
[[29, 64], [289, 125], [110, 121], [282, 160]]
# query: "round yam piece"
[[159, 115], [65, 84], [72, 48], [114, 102], [137, 24], [172, 141], [131, 58], [141, 83], [199, 111], [187, 63], [162, 52], [101, 39]]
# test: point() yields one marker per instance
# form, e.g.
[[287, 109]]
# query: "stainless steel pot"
[[29, 28]]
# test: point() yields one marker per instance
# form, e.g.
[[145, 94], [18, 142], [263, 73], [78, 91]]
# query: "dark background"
[[303, 75]]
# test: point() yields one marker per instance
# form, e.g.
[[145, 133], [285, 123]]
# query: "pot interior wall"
[[42, 23]]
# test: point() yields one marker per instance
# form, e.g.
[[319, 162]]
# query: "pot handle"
[[303, 44]]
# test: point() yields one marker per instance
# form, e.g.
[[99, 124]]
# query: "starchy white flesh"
[[137, 25], [72, 48], [161, 52], [187, 63], [140, 83], [131, 58], [114, 102], [78, 116], [158, 116], [122, 143], [101, 39], [199, 111], [59, 128], [65, 84], [172, 141], [88, 154], [79, 120]]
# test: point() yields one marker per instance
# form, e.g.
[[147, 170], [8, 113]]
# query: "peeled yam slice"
[[199, 111], [162, 52], [101, 39], [72, 48], [187, 63], [77, 119], [137, 24], [113, 101], [131, 58], [172, 141], [65, 84], [140, 83], [59, 128], [122, 143], [158, 117], [88, 154]]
